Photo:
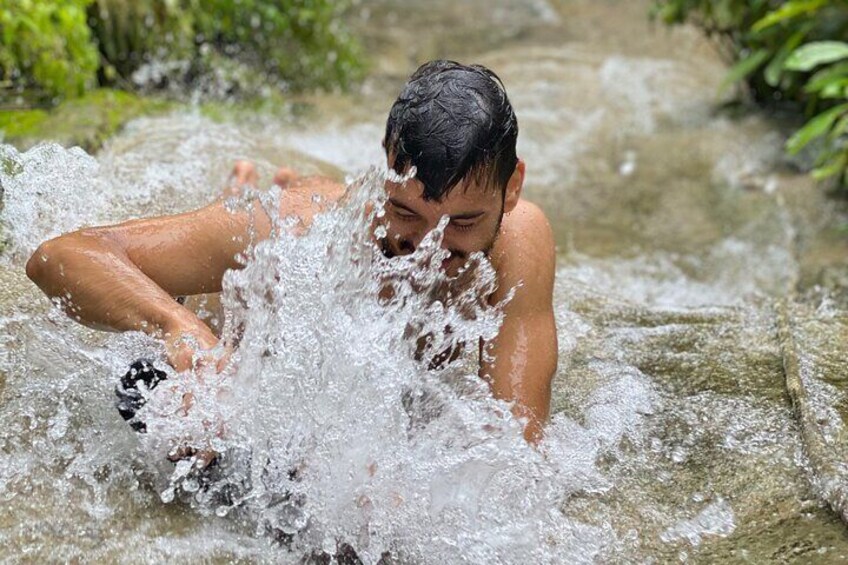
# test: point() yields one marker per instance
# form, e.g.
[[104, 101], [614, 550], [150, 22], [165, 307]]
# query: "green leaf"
[[787, 12], [774, 70], [835, 89], [816, 127], [817, 53], [840, 128], [743, 68], [831, 167], [822, 78]]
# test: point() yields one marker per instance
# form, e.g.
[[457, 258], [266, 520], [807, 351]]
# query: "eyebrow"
[[463, 216]]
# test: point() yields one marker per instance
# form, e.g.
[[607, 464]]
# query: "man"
[[454, 124]]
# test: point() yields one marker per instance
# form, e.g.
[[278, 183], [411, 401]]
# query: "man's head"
[[455, 125]]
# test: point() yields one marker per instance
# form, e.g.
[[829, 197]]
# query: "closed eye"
[[466, 221], [463, 227], [402, 212], [405, 215]]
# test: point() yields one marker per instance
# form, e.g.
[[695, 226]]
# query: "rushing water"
[[682, 241]]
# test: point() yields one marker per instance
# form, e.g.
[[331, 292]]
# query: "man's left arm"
[[523, 357]]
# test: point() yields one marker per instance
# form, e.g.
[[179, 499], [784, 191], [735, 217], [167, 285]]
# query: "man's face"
[[474, 214]]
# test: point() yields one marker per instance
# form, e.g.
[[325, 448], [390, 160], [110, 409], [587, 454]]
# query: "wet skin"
[[125, 276]]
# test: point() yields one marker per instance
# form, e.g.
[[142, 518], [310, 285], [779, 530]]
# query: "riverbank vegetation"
[[791, 54], [87, 121], [75, 71], [50, 51]]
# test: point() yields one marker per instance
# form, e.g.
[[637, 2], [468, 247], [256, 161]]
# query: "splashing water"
[[341, 430], [334, 426], [672, 436]]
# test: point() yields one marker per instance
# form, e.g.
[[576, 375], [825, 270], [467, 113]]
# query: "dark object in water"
[[130, 398]]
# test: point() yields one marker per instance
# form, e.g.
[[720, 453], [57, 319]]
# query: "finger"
[[180, 356]]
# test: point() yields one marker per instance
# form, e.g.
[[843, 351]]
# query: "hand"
[[184, 343], [191, 350]]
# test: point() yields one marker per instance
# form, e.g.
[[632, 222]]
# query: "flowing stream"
[[700, 305]]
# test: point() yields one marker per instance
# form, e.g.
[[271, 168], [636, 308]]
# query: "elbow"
[[48, 264], [53, 258], [38, 266], [45, 267]]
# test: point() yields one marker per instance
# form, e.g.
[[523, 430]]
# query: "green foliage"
[[61, 48], [810, 56], [129, 33], [15, 124], [87, 121], [793, 51], [45, 45], [744, 67], [298, 42]]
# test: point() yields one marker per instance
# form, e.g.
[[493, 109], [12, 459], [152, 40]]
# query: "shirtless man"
[[455, 125]]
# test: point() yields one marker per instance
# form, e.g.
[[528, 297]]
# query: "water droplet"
[[167, 495]]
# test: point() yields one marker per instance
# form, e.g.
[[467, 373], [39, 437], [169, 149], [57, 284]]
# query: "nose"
[[409, 240]]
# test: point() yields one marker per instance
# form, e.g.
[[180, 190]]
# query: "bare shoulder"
[[299, 197], [325, 187], [525, 253]]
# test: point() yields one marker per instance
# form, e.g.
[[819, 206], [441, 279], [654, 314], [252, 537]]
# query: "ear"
[[514, 186]]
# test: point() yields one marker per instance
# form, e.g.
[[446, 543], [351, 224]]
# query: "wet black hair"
[[451, 121]]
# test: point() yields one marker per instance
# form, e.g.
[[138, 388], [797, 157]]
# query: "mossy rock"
[[17, 123], [88, 121]]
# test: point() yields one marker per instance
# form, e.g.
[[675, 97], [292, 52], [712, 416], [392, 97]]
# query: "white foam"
[[716, 519]]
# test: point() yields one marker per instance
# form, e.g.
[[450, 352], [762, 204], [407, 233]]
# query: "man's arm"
[[525, 350], [125, 276]]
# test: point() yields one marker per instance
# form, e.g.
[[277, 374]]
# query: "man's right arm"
[[125, 276]]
